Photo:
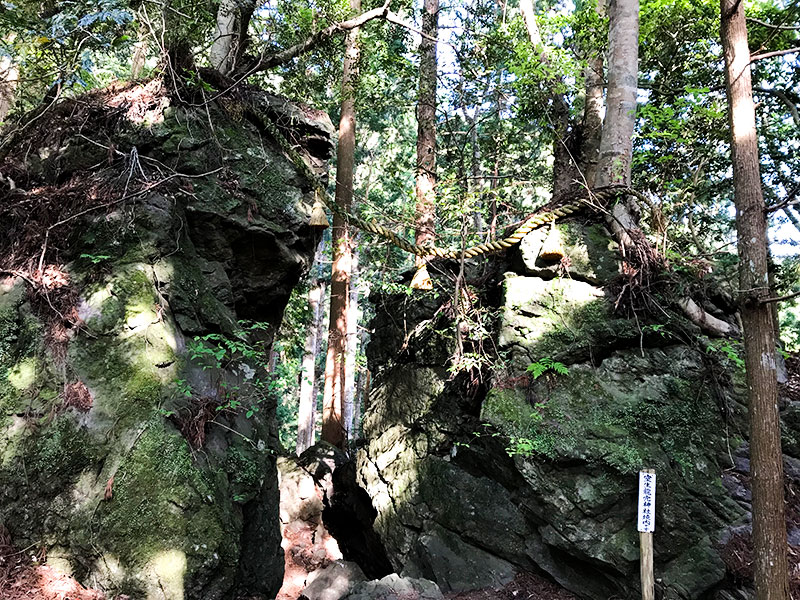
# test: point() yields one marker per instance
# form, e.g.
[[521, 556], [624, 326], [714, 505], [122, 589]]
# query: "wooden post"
[[646, 526]]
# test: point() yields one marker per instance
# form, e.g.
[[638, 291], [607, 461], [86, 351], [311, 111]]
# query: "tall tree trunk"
[[592, 110], [233, 19], [308, 387], [361, 389], [766, 464], [333, 427], [616, 144], [352, 350], [426, 126]]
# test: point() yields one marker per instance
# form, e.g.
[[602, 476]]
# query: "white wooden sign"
[[647, 501]]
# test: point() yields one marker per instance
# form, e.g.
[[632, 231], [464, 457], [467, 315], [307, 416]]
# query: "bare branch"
[[781, 298], [780, 95], [397, 20], [790, 200], [756, 57], [284, 56], [773, 26]]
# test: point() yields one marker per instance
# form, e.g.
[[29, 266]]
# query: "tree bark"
[[264, 63], [308, 397], [333, 426], [233, 19], [766, 462], [352, 350], [140, 49], [616, 144], [426, 127], [9, 75], [592, 111], [565, 167]]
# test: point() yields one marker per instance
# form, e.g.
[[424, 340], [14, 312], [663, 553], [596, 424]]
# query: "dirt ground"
[[525, 586]]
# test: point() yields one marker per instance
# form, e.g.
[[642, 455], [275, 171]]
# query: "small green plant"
[[218, 352], [545, 365], [194, 79], [729, 353], [95, 259], [658, 328], [184, 388]]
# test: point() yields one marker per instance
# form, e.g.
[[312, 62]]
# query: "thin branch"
[[284, 56], [773, 26], [397, 20], [112, 203], [756, 57], [781, 298], [793, 218], [780, 95], [790, 200]]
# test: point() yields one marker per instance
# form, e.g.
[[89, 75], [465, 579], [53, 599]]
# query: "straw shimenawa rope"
[[536, 221]]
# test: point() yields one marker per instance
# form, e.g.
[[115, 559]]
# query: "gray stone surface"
[[333, 582], [473, 485], [395, 587], [115, 488]]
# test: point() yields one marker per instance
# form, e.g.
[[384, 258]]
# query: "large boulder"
[[526, 460], [131, 454]]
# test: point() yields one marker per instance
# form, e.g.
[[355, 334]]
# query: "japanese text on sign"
[[647, 501]]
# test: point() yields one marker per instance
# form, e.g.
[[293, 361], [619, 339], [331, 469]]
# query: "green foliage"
[[727, 351], [95, 259], [544, 365], [245, 353]]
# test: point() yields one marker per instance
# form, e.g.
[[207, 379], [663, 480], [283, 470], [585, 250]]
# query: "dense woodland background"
[[499, 106], [502, 96]]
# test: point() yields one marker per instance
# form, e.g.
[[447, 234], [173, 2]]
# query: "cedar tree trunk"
[[426, 126], [308, 387], [616, 144], [766, 463], [333, 426]]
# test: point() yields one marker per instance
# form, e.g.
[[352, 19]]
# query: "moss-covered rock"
[[538, 472], [113, 455]]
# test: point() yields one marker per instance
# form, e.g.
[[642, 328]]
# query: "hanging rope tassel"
[[422, 279], [552, 249], [319, 219]]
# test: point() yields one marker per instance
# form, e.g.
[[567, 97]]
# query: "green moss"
[[580, 329], [156, 485], [246, 467], [19, 346], [596, 417], [22, 375], [521, 423], [58, 452], [195, 306]]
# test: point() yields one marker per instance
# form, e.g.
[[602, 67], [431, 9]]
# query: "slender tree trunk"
[[793, 217], [352, 350], [766, 463], [357, 405], [140, 49], [361, 389], [426, 126], [233, 19], [308, 397], [9, 76], [592, 111], [333, 427], [616, 144]]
